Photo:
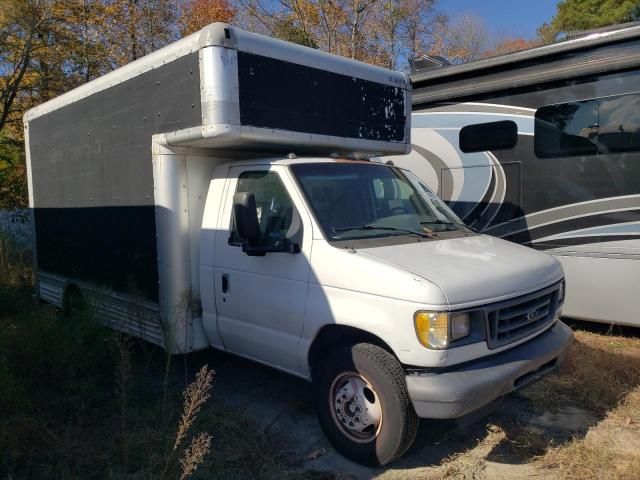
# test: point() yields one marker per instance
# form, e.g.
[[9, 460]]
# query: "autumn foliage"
[[200, 13], [511, 45]]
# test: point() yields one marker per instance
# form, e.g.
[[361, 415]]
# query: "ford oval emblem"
[[532, 315]]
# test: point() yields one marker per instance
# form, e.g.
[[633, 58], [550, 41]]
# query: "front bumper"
[[455, 393]]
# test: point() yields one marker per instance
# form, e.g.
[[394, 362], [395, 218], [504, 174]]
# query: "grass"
[[77, 409], [80, 401]]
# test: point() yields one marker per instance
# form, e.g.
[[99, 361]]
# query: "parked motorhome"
[[542, 148], [218, 193]]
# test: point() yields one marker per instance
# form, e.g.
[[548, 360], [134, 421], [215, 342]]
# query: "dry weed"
[[194, 454], [195, 396], [123, 381]]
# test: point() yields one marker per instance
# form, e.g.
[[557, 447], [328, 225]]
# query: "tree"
[[510, 45], [134, 28], [13, 187], [465, 39], [197, 14], [288, 30], [424, 28], [408, 28], [383, 32], [574, 15], [22, 26], [546, 34]]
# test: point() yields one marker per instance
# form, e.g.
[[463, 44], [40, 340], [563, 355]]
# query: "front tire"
[[363, 405]]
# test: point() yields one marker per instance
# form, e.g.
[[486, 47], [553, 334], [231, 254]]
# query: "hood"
[[473, 270]]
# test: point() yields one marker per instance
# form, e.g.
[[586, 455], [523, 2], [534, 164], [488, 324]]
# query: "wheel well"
[[72, 297], [331, 336], [71, 289]]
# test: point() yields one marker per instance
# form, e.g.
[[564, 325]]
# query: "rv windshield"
[[361, 200]]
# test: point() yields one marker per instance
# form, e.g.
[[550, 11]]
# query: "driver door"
[[261, 299]]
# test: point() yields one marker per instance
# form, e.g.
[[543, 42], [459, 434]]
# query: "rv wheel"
[[363, 405]]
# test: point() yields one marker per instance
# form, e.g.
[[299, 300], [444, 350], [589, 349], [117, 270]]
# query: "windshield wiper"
[[437, 222], [445, 222], [375, 226]]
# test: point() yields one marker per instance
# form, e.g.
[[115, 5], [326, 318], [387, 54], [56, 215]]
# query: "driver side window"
[[273, 205]]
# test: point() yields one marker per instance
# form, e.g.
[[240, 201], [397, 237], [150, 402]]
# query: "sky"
[[517, 18]]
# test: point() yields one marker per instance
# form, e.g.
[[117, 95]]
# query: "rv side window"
[[482, 137], [619, 124], [588, 127], [274, 206]]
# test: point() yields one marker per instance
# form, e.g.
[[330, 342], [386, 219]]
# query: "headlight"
[[432, 329], [561, 292], [436, 329], [460, 326]]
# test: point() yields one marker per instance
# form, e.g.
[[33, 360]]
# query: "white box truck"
[[217, 193]]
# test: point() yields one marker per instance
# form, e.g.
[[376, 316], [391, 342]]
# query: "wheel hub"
[[356, 407]]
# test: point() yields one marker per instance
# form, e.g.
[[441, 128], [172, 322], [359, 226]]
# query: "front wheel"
[[363, 405]]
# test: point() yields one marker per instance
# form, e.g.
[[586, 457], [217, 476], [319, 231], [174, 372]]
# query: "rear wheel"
[[363, 405]]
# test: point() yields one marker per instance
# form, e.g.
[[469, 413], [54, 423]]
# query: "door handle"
[[225, 283]]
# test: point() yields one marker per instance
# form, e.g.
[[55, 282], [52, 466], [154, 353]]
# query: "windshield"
[[361, 200]]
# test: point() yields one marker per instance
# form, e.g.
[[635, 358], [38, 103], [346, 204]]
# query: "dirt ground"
[[581, 422]]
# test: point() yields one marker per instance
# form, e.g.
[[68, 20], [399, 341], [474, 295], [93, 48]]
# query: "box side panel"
[[92, 177], [282, 95]]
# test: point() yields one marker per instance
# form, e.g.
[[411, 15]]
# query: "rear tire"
[[363, 405]]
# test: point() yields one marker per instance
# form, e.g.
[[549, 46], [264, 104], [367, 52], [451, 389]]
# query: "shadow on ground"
[[549, 413]]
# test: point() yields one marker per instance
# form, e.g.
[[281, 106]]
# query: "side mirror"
[[245, 217]]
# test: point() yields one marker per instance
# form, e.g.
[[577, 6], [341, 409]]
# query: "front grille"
[[514, 319]]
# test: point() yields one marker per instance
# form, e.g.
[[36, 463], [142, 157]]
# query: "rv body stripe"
[[465, 112], [566, 212], [489, 189], [500, 188], [481, 207], [441, 120], [569, 225], [627, 228], [474, 180], [526, 134], [436, 162], [623, 247], [498, 106], [598, 243]]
